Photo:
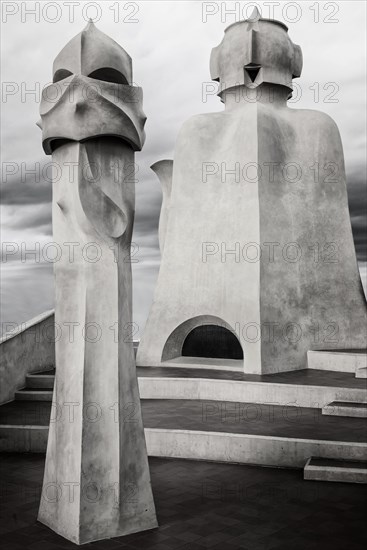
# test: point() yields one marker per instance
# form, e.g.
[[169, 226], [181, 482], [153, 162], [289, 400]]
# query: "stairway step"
[[345, 408], [327, 469], [33, 395], [361, 372], [339, 360], [50, 371], [202, 430], [40, 381], [23, 438]]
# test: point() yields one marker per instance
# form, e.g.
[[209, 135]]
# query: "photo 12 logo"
[[289, 12], [54, 12]]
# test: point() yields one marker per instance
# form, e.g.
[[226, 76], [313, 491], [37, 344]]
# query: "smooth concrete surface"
[[44, 381], [247, 449], [345, 474], [95, 449], [337, 360], [34, 395], [25, 349], [175, 427], [91, 53], [92, 102], [256, 44], [248, 392], [307, 377], [259, 419], [204, 445], [316, 389], [229, 390], [234, 365], [163, 170], [361, 372], [99, 295], [23, 438], [345, 408], [256, 241]]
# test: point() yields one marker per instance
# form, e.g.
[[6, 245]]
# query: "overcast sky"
[[170, 44]]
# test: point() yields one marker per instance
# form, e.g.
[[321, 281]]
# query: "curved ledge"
[[28, 324]]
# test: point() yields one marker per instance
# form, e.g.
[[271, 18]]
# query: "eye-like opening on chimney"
[[252, 70], [107, 74], [60, 74]]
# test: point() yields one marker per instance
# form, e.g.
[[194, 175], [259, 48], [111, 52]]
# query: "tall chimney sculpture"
[[96, 482], [258, 265]]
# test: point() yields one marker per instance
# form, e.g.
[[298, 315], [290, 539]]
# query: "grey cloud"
[[357, 199], [39, 219], [16, 190], [26, 290], [171, 73]]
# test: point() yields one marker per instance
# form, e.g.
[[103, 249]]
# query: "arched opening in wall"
[[212, 341], [204, 340], [107, 74]]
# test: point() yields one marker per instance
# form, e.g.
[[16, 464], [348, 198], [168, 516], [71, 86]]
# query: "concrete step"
[[184, 362], [33, 395], [40, 381], [361, 372], [327, 469], [345, 408], [245, 433], [352, 361], [307, 388]]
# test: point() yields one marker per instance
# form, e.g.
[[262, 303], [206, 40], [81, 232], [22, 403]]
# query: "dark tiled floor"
[[203, 505], [308, 377], [250, 418], [217, 416]]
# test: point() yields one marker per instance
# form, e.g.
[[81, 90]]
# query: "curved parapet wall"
[[27, 348]]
